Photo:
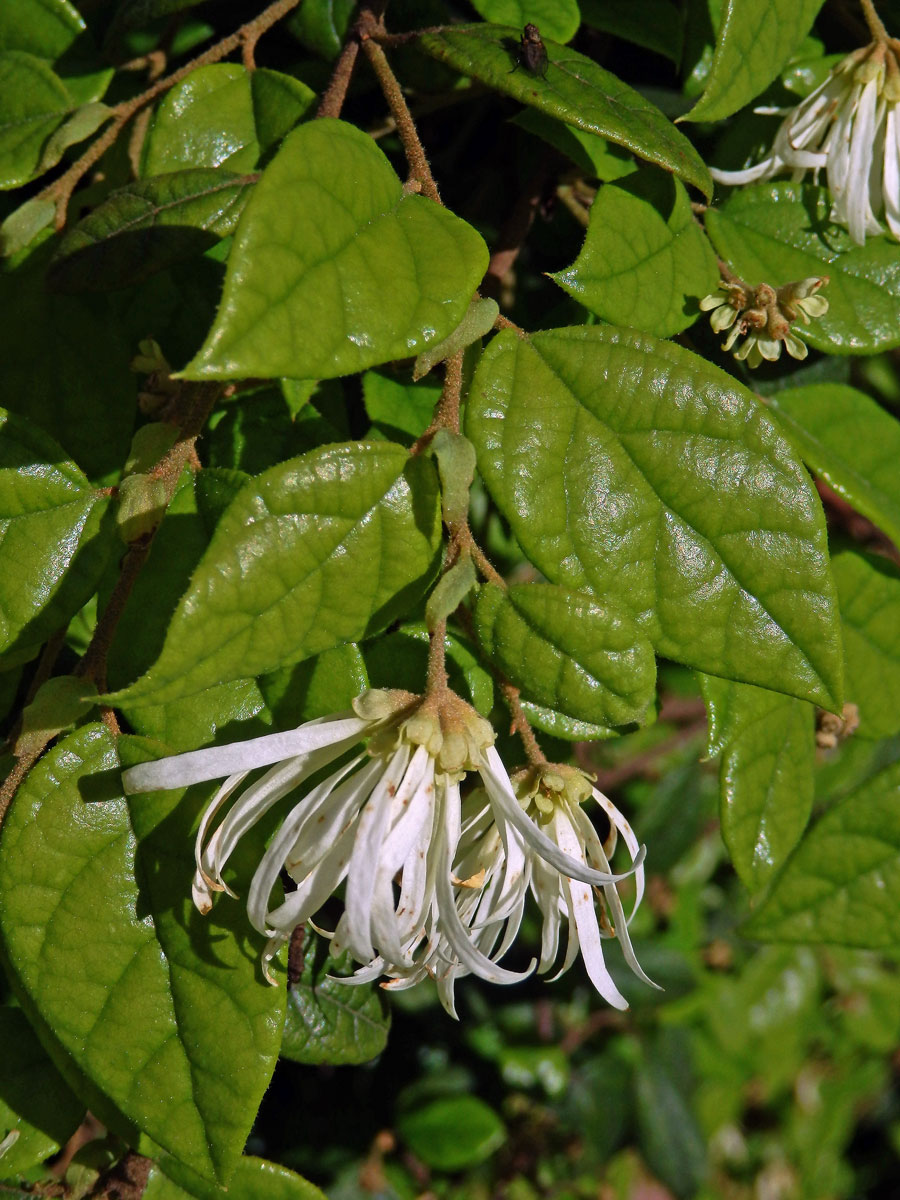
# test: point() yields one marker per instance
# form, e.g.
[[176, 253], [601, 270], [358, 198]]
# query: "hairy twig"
[[406, 126]]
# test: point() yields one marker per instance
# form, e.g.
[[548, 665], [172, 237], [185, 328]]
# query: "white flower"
[[765, 314], [850, 127]]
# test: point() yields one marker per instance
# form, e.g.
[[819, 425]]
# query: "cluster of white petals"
[[763, 316], [850, 128], [432, 886]]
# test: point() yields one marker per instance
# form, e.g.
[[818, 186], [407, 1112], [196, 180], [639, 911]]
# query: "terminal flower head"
[[764, 316], [849, 127]]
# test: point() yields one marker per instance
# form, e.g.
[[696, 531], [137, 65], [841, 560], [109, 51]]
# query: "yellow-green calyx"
[[547, 784], [450, 730]]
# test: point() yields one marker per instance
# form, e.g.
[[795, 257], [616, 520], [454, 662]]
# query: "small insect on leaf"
[[532, 51]]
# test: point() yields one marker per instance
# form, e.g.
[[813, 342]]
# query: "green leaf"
[[780, 232], [322, 25], [567, 652], [557, 19], [396, 408], [253, 1179], [46, 28], [476, 324], [223, 116], [668, 1134], [654, 24], [400, 660], [34, 1099], [335, 268], [645, 261], [33, 104], [326, 684], [753, 44], [594, 155], [449, 592], [632, 468], [842, 884], [850, 442], [53, 543], [85, 120], [575, 90], [453, 1132], [147, 226], [96, 891], [869, 593], [320, 550], [767, 743], [559, 725], [78, 387], [330, 1022]]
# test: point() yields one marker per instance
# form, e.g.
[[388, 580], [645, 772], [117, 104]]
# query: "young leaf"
[[842, 884], [34, 102], [153, 993], [575, 90], [645, 261], [567, 652], [317, 551], [869, 594], [335, 268], [631, 467], [850, 442], [779, 232], [767, 743], [331, 1022], [53, 542], [753, 44], [147, 226]]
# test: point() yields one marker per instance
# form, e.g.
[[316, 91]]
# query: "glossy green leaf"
[[223, 116], [869, 593], [575, 90], [400, 660], [556, 19], [842, 884], [52, 545], [850, 442], [33, 104], [95, 891], [645, 261], [767, 744], [253, 1179], [317, 551], [596, 156], [396, 408], [46, 28], [329, 1022], [753, 44], [335, 268], [476, 324], [656, 25], [567, 652], [668, 1134], [34, 1099], [452, 1132], [322, 25], [326, 684], [147, 226], [81, 389], [779, 232], [568, 729], [630, 467]]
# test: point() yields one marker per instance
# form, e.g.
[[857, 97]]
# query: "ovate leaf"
[[95, 891], [452, 1132], [147, 226], [557, 19], [842, 885], [645, 261], [753, 44], [869, 593], [34, 1099], [767, 744], [52, 547], [253, 1178], [575, 89], [33, 103], [328, 1021], [335, 268], [850, 442], [317, 551], [46, 28], [632, 468], [779, 232], [567, 652]]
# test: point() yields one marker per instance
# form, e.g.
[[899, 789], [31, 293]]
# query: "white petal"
[[182, 770], [890, 184]]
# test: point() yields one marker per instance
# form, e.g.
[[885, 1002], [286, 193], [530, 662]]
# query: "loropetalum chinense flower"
[[763, 316], [431, 887], [850, 128]]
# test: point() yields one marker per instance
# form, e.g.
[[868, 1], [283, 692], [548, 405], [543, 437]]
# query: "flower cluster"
[[850, 128], [763, 316], [433, 884]]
